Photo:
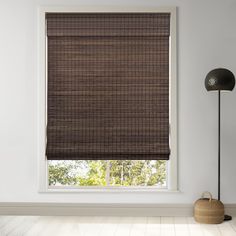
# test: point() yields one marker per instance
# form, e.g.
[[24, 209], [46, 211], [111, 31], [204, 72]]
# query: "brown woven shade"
[[108, 86]]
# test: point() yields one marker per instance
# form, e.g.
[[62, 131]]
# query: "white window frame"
[[172, 178]]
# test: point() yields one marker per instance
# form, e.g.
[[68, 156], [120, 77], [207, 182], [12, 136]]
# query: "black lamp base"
[[227, 218]]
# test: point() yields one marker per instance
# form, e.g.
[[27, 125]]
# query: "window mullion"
[[108, 166]]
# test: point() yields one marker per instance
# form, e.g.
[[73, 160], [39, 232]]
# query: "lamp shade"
[[220, 79]]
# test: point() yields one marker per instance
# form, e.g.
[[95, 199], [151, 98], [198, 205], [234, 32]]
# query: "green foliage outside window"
[[107, 173]]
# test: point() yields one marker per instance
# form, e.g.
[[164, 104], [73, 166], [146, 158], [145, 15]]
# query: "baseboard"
[[102, 209]]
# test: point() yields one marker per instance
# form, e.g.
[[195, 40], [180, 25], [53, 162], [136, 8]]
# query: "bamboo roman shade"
[[108, 86]]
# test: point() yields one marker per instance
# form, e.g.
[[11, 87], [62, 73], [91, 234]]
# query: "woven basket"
[[208, 210]]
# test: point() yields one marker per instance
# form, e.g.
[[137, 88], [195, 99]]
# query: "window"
[[108, 95], [107, 173]]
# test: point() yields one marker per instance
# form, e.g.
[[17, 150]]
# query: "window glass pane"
[[138, 173], [107, 173]]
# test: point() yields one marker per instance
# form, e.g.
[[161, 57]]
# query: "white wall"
[[206, 40]]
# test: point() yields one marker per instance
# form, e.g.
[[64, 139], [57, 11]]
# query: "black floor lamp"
[[220, 79]]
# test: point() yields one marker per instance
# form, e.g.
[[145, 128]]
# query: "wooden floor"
[[110, 226]]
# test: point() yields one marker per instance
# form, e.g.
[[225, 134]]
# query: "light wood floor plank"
[[194, 228], [233, 224], [153, 226], [167, 226], [138, 227], [27, 223], [73, 227], [12, 225], [181, 226], [83, 224], [4, 220], [226, 229], [54, 227], [110, 226], [124, 226], [211, 230], [66, 227], [93, 226], [36, 229]]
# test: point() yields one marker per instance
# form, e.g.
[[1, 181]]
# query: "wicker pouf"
[[208, 210]]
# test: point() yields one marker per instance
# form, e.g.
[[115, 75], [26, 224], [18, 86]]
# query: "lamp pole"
[[219, 112]]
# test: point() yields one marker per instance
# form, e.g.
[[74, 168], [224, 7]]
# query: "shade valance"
[[108, 24]]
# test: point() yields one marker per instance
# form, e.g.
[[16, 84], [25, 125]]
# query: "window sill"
[[108, 190]]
